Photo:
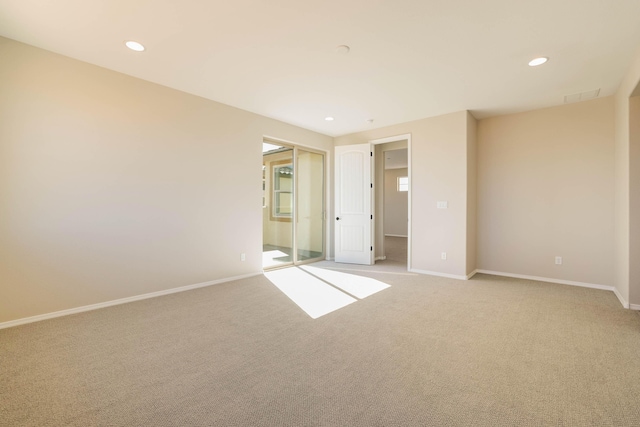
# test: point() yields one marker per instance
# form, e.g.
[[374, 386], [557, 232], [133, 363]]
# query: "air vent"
[[583, 96]]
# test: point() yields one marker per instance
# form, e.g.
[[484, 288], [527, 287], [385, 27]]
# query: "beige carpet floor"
[[426, 351]]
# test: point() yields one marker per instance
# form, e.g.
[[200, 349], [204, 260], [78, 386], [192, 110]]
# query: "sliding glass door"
[[310, 205], [292, 204], [277, 207]]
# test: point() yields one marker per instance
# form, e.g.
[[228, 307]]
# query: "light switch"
[[443, 205]]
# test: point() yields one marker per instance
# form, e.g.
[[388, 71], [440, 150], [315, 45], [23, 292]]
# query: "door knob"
[[337, 218]]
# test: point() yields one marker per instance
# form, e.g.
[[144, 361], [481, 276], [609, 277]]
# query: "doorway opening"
[[395, 201], [293, 213], [392, 201]]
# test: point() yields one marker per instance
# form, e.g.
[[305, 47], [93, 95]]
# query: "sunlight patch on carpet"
[[315, 290], [358, 286], [312, 295]]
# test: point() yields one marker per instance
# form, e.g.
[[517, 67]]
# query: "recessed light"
[[538, 61], [343, 49], [134, 46], [329, 119]]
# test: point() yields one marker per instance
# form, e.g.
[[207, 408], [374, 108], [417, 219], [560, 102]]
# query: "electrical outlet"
[[558, 260], [443, 255], [243, 257]]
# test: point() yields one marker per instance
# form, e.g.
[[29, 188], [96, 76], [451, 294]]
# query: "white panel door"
[[353, 222]]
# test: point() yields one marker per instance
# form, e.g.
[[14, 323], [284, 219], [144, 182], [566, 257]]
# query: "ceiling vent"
[[577, 97]]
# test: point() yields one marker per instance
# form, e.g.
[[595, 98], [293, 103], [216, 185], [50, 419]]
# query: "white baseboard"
[[25, 320], [380, 258], [435, 273], [624, 302], [473, 273], [546, 279], [394, 235]]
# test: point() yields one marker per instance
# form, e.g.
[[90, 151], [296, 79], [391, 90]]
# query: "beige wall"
[[622, 150], [439, 173], [621, 236], [634, 201], [545, 189], [112, 187], [395, 203]]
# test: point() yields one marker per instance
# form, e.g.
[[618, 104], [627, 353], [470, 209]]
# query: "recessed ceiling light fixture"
[[329, 118], [538, 61], [343, 49], [134, 46]]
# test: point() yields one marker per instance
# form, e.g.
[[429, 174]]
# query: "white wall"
[[545, 189], [112, 187]]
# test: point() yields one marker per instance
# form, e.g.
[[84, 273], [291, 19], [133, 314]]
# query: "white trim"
[[291, 143], [473, 273], [634, 306], [409, 203], [394, 235], [435, 273], [624, 303], [406, 136], [381, 258], [546, 279], [39, 317], [328, 208]]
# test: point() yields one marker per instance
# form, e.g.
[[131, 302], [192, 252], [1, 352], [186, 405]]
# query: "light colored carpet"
[[426, 351], [395, 250]]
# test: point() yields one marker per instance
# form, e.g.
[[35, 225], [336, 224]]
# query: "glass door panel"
[[277, 206], [309, 205]]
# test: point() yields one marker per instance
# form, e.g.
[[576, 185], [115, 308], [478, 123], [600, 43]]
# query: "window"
[[282, 197], [264, 187], [403, 183]]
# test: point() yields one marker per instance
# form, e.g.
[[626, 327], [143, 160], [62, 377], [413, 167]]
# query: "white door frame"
[[375, 142]]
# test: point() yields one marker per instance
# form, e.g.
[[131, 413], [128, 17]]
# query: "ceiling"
[[409, 59]]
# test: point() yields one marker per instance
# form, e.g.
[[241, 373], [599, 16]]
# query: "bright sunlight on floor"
[[318, 291]]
